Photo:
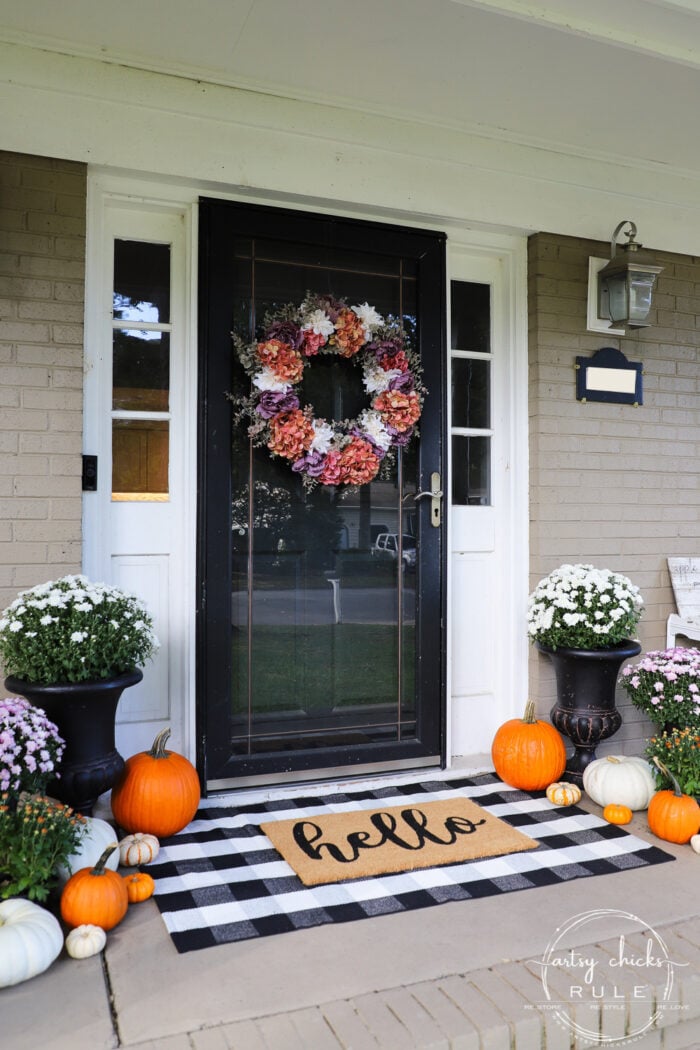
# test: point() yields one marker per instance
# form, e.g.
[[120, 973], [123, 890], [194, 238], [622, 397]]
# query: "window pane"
[[471, 394], [139, 459], [141, 281], [140, 370], [471, 316], [471, 471]]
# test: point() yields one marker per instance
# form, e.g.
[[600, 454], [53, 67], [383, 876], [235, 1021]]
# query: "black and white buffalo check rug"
[[221, 880]]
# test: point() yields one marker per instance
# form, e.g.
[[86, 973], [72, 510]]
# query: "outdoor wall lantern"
[[626, 283]]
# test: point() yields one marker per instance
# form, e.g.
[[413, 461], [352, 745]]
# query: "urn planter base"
[[84, 713], [585, 710]]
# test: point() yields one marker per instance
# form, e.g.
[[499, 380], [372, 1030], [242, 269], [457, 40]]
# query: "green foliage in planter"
[[679, 751], [36, 835]]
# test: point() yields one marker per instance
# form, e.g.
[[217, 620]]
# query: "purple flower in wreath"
[[404, 382], [379, 452], [271, 402], [385, 347], [287, 332], [400, 439], [311, 463]]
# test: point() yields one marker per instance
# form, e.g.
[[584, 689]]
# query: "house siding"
[[42, 286], [614, 485]]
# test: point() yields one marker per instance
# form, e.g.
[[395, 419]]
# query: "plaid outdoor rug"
[[221, 880]]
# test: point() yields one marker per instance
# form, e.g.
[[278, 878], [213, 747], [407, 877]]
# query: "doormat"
[[221, 879], [360, 844]]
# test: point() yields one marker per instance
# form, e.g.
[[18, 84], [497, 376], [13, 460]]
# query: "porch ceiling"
[[596, 79]]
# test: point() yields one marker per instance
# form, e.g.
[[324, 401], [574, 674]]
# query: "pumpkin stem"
[[611, 758], [158, 746], [667, 773], [529, 716], [99, 868]]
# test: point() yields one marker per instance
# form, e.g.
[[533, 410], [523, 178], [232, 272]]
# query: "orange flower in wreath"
[[399, 410], [358, 462], [291, 434], [286, 363], [349, 334]]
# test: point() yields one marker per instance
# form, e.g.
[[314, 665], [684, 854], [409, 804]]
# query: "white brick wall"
[[614, 485], [42, 279]]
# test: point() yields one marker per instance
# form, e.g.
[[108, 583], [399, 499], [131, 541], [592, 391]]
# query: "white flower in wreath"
[[369, 318], [376, 380], [323, 436], [371, 424], [319, 323], [267, 380]]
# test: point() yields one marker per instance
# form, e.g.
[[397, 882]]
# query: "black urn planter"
[[84, 713], [585, 710]]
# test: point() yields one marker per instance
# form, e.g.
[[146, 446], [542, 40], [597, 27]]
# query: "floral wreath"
[[350, 452]]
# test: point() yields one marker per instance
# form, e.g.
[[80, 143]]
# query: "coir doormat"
[[222, 880], [359, 844]]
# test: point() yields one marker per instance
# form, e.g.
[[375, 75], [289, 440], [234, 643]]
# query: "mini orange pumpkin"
[[527, 753], [673, 816], [95, 896], [139, 886], [617, 814], [158, 791]]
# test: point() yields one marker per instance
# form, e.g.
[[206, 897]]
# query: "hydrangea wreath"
[[348, 452]]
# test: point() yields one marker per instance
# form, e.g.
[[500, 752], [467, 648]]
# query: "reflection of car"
[[386, 546]]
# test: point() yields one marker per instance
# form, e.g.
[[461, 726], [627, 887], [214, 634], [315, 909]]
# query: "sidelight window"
[[471, 361]]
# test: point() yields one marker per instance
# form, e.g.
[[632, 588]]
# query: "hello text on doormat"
[[333, 847]]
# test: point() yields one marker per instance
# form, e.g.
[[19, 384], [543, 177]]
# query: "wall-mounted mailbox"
[[609, 376]]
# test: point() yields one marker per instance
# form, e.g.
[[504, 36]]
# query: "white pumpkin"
[[695, 843], [138, 848], [620, 779], [99, 835], [85, 940], [30, 939]]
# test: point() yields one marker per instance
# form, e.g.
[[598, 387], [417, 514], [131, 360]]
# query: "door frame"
[[427, 248], [470, 724]]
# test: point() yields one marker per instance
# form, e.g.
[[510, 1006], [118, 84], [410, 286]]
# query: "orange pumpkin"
[[673, 816], [158, 791], [95, 896], [139, 886], [527, 753], [617, 814]]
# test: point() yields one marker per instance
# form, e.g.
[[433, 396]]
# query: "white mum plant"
[[581, 607], [73, 630]]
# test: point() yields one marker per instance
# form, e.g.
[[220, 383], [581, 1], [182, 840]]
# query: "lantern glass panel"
[[641, 285]]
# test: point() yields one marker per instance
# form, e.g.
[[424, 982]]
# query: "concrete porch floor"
[[459, 976]]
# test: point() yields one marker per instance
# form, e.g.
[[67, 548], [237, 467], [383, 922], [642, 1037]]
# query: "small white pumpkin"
[[99, 835], [624, 780], [30, 939], [563, 793], [695, 843], [138, 848], [85, 940]]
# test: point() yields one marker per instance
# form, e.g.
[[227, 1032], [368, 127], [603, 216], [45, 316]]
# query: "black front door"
[[321, 616]]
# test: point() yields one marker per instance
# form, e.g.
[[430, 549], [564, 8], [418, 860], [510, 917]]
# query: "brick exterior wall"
[[42, 282], [613, 485]]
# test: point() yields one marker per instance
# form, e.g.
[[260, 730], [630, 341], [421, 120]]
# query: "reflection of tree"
[[272, 508]]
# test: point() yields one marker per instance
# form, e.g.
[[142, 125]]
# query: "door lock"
[[435, 495]]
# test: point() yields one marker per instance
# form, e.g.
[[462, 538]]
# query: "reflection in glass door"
[[320, 645]]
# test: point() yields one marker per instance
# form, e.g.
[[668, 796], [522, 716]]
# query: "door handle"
[[435, 493]]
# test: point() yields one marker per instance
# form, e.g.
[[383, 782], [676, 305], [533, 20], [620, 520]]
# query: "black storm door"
[[321, 613]]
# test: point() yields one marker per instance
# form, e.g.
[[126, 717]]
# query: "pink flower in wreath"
[[332, 473], [291, 434], [392, 361], [358, 462], [400, 410], [280, 358], [313, 341], [349, 334]]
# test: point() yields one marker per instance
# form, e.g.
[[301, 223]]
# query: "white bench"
[[685, 580]]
